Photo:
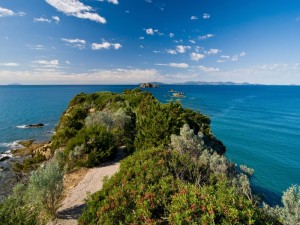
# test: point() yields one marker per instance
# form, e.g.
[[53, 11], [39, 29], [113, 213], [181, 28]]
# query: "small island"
[[148, 85]]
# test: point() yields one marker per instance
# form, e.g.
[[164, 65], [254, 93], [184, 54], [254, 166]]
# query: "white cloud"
[[213, 51], [7, 12], [206, 16], [77, 9], [110, 1], [36, 47], [10, 64], [171, 51], [192, 41], [68, 62], [171, 35], [76, 43], [207, 36], [235, 58], [46, 64], [182, 48], [150, 31], [105, 45], [194, 17], [283, 74], [141, 38], [149, 1], [176, 65], [196, 56], [56, 19], [225, 57], [41, 19], [208, 69], [242, 54]]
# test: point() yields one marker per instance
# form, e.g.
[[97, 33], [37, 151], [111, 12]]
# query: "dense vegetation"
[[96, 125], [175, 171]]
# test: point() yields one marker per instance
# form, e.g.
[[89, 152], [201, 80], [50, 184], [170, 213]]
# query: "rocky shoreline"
[[8, 177]]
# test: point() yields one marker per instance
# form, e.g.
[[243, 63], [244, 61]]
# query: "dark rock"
[[35, 125], [4, 158], [148, 85]]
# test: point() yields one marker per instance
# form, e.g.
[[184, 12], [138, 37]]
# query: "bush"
[[145, 191], [45, 188], [15, 210], [96, 144]]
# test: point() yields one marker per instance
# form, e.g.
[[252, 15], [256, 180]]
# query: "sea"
[[259, 125]]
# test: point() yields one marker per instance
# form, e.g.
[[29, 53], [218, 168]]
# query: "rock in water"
[[35, 125]]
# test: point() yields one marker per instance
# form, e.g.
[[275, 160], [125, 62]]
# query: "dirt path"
[[73, 204]]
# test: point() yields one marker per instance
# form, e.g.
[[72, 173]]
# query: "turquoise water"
[[260, 125]]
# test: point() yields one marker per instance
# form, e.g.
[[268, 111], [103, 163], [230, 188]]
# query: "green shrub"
[[45, 189], [15, 210], [97, 146], [145, 191]]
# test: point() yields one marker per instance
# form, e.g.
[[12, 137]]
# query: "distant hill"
[[14, 84], [212, 83], [204, 83]]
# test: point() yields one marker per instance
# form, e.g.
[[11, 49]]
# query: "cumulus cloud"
[[171, 51], [7, 12], [77, 9], [206, 16], [76, 43], [56, 19], [194, 17], [9, 64], [110, 1], [196, 56], [171, 35], [176, 65], [208, 69], [213, 51], [207, 36], [182, 48], [105, 45], [150, 31], [41, 19]]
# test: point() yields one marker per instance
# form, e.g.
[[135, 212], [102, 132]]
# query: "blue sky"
[[132, 41]]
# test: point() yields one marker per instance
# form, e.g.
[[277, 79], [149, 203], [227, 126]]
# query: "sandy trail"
[[73, 204]]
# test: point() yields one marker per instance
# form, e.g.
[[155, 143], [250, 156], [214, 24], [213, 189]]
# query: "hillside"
[[174, 171]]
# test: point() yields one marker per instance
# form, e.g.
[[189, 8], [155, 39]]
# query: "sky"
[[133, 41]]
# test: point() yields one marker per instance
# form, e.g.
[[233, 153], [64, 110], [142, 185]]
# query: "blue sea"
[[260, 125]]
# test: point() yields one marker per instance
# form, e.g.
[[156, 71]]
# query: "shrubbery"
[[146, 191], [34, 203]]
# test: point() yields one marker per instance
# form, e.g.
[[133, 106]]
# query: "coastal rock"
[[37, 125], [4, 158], [44, 150], [26, 143], [148, 85]]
